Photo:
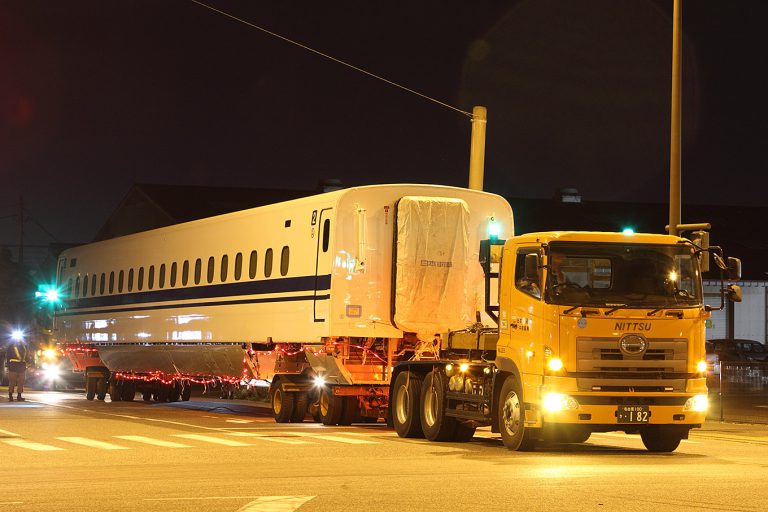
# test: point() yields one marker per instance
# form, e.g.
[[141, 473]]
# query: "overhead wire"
[[330, 57]]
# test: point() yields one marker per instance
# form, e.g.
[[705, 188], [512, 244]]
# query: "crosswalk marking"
[[266, 437], [93, 443], [153, 442], [29, 445], [211, 439], [326, 437]]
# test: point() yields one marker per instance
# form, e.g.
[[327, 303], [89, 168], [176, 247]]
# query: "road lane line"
[[153, 442], [92, 443], [326, 437], [267, 437], [211, 439], [29, 445], [275, 504], [6, 433]]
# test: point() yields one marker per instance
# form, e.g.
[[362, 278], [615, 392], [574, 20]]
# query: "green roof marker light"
[[628, 231]]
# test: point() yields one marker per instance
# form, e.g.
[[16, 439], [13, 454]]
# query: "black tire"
[[464, 432], [577, 434], [434, 423], [300, 403], [282, 404], [405, 403], [146, 394], [129, 390], [161, 395], [116, 390], [661, 438], [186, 391], [174, 391], [331, 407], [351, 413], [514, 433], [101, 388], [90, 388]]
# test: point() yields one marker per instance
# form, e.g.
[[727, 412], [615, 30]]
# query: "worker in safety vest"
[[16, 357]]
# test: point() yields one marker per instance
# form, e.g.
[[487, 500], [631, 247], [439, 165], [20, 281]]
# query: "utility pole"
[[477, 148], [21, 230], [674, 150]]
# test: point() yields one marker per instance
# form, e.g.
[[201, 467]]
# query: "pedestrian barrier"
[[739, 392]]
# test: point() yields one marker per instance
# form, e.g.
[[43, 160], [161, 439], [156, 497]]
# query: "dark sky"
[[96, 96]]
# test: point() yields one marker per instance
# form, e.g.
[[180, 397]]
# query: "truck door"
[[323, 261]]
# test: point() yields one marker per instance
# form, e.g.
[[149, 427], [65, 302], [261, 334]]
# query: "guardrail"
[[739, 392]]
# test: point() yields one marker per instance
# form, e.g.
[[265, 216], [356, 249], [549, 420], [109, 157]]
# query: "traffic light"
[[48, 294]]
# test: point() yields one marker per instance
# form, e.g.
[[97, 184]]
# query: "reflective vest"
[[16, 355]]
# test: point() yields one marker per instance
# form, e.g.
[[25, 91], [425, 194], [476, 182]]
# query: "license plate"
[[633, 414]]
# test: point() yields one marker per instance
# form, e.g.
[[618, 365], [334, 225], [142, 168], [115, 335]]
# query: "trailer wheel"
[[101, 388], [331, 407], [174, 392], [463, 433], [282, 404], [514, 433], [351, 413], [129, 390], [90, 388], [146, 394], [116, 390], [186, 391], [661, 438], [300, 401], [405, 405], [435, 424]]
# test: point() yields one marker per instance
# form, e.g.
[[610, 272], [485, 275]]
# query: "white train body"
[[335, 259]]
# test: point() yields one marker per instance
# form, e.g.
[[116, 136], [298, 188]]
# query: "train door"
[[323, 263]]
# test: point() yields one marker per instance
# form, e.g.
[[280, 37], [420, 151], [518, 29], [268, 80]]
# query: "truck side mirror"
[[532, 266], [734, 269], [734, 292]]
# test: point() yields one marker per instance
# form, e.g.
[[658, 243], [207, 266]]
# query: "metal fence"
[[739, 392]]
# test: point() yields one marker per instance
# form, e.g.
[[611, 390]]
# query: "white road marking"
[[153, 442], [266, 437], [210, 439], [6, 433], [239, 421], [92, 443], [29, 445], [326, 437], [275, 504], [11, 502]]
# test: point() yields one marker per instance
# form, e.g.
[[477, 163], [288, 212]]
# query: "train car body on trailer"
[[339, 285]]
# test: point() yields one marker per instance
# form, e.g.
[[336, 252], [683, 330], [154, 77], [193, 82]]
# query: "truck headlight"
[[697, 403], [554, 402], [555, 364], [701, 366], [51, 372]]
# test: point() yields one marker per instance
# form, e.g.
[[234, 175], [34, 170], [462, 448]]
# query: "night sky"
[[97, 95]]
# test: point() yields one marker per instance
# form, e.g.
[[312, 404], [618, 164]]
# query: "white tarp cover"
[[432, 265]]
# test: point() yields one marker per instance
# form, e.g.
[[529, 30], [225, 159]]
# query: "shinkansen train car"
[[336, 287]]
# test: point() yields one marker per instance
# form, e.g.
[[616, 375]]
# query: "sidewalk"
[[725, 429]]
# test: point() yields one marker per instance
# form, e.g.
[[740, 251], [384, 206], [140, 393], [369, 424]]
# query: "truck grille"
[[663, 356]]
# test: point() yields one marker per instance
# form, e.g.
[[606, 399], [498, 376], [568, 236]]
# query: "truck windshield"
[[623, 275]]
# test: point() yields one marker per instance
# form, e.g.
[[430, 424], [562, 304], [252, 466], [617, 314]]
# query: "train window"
[[77, 287], [120, 281], [161, 277], [185, 273], [238, 266], [211, 268], [174, 271], [111, 282], [252, 268], [198, 270], [224, 265], [284, 257], [140, 279], [130, 280], [102, 283], [151, 277], [326, 234], [93, 285], [85, 286], [268, 263]]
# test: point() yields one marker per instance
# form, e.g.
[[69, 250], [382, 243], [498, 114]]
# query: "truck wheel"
[[300, 400], [577, 435], [186, 391], [514, 433], [116, 390], [351, 413], [405, 404], [90, 388], [331, 407], [161, 395], [282, 404], [101, 388], [661, 438], [146, 395], [129, 390], [435, 424], [174, 392], [463, 433]]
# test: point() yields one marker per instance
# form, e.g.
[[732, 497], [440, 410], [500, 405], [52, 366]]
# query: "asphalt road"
[[61, 452]]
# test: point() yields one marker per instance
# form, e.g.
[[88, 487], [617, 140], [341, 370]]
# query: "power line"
[[334, 59]]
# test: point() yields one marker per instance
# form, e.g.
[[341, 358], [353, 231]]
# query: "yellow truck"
[[596, 332]]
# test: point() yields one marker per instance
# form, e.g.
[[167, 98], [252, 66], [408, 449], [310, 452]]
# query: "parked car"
[[734, 350]]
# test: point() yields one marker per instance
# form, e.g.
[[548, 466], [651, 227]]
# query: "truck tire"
[[331, 407], [514, 433], [405, 402], [463, 433], [146, 394], [101, 388], [174, 392], [300, 403], [282, 404], [351, 413], [434, 423], [116, 390], [186, 391], [129, 390], [661, 438], [90, 388]]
